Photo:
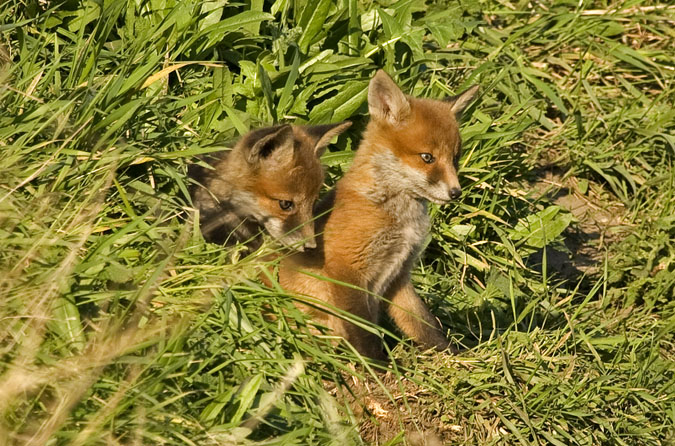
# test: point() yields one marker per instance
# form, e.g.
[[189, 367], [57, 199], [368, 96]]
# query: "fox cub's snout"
[[269, 180], [417, 140]]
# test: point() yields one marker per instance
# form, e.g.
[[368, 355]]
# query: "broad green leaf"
[[217, 32], [342, 159], [67, 324], [254, 27], [312, 21], [342, 105], [392, 27], [214, 408], [245, 395], [541, 228], [212, 10]]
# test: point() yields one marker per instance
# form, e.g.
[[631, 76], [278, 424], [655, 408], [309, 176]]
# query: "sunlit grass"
[[119, 325]]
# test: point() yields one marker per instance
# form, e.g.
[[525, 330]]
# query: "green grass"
[[120, 325]]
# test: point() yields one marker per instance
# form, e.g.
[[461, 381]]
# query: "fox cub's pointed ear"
[[275, 143], [323, 134], [461, 101], [385, 100]]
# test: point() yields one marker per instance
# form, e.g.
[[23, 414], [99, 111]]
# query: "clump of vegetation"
[[555, 272]]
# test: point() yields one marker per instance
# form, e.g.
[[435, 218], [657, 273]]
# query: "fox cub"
[[270, 179], [374, 233]]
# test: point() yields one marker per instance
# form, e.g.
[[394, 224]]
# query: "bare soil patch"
[[601, 221], [404, 407]]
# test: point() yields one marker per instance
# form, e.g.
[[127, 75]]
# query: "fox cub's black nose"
[[455, 192]]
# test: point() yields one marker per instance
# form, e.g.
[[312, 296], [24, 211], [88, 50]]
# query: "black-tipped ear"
[[385, 100], [461, 101], [272, 142], [323, 134]]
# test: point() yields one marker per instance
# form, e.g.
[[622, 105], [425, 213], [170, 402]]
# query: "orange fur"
[[244, 191], [378, 220]]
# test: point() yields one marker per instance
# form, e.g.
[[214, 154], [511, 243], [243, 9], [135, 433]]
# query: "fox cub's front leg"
[[413, 317]]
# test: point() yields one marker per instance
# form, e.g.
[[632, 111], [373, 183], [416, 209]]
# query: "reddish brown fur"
[[242, 192], [431, 128], [378, 221]]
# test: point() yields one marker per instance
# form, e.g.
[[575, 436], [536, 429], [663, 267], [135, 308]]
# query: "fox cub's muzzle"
[[300, 238], [310, 244], [307, 238], [442, 194]]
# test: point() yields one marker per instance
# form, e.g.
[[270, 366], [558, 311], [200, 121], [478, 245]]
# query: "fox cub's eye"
[[285, 204], [427, 158]]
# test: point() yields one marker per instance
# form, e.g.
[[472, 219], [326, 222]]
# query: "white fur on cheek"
[[397, 176], [275, 227], [248, 203], [439, 193]]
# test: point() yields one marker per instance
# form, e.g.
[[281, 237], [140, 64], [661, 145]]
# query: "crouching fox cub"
[[270, 179], [374, 233]]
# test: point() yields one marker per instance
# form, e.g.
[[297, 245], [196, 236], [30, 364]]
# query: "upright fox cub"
[[374, 233], [270, 179]]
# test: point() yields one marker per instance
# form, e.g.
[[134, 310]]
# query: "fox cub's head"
[[416, 142], [283, 175]]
